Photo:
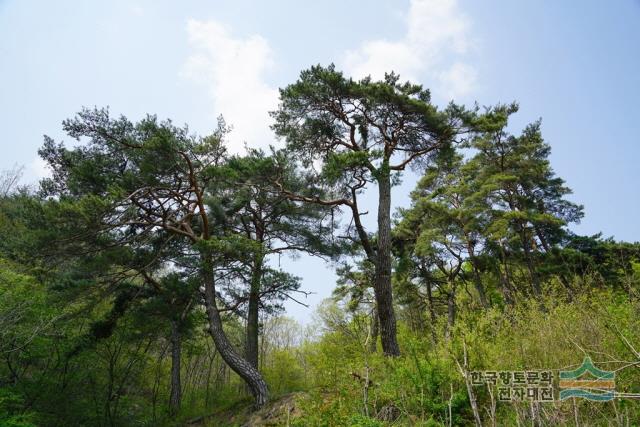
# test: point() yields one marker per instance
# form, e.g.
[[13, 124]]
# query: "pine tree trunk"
[[432, 311], [480, 287], [175, 398], [451, 311], [253, 312], [238, 364], [505, 280], [535, 281], [477, 280], [382, 285]]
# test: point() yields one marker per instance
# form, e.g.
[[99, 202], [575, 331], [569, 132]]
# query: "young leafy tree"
[[354, 286], [171, 300], [359, 133], [149, 181], [415, 285], [10, 180]]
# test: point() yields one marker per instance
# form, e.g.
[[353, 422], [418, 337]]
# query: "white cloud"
[[457, 80], [233, 71], [137, 10], [433, 46], [37, 170], [432, 50]]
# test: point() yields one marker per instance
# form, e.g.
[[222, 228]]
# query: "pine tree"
[[359, 133]]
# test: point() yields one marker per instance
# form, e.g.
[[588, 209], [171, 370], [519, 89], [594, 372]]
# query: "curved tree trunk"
[[237, 363], [382, 285]]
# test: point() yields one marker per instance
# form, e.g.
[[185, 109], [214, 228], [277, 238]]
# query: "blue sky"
[[575, 64]]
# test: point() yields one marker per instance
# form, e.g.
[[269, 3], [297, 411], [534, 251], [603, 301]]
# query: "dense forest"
[[139, 283]]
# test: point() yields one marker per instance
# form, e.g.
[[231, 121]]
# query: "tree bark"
[[382, 286], [505, 280], [451, 311], [477, 280], [253, 312], [432, 310], [537, 290], [175, 397], [239, 365]]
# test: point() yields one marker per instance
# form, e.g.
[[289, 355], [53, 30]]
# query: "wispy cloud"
[[137, 10], [233, 71], [432, 50], [37, 170]]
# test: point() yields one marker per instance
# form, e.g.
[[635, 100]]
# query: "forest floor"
[[280, 411]]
